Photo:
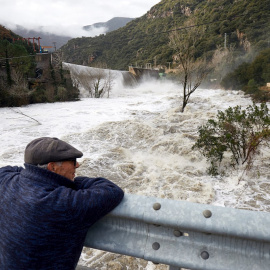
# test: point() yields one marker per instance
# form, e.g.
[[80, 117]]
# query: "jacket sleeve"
[[8, 172], [93, 199]]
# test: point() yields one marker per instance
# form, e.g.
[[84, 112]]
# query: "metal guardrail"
[[185, 234]]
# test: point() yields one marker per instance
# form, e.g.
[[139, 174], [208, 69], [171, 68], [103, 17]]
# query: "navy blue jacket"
[[44, 217]]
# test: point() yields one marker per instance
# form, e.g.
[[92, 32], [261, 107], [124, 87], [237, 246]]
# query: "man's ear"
[[51, 166]]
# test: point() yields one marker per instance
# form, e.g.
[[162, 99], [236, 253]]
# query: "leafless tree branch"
[[20, 112]]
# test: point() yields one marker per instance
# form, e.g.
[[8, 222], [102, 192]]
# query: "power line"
[[195, 25], [17, 57], [178, 29]]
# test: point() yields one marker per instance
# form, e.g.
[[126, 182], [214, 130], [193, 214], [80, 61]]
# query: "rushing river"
[[139, 139]]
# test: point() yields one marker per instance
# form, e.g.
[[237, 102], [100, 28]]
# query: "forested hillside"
[[7, 34], [239, 26], [26, 77]]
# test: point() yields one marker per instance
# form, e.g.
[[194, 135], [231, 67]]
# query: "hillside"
[[27, 77], [145, 40], [17, 46], [7, 33]]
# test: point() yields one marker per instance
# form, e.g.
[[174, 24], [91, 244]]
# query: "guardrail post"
[[174, 268]]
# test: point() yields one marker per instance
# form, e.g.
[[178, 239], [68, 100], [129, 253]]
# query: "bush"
[[251, 88], [237, 132], [249, 77], [236, 79], [61, 93], [38, 96]]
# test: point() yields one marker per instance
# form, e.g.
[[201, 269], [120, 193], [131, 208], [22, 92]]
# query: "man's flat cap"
[[44, 150]]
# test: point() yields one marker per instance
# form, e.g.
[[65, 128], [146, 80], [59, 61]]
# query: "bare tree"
[[19, 88], [108, 83], [57, 59], [97, 82], [20, 112], [191, 71]]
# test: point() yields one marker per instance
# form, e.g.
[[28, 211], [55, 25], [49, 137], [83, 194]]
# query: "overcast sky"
[[68, 16]]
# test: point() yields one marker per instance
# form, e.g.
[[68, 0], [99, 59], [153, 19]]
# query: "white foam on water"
[[139, 139]]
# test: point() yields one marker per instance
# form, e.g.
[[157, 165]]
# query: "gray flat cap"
[[44, 150]]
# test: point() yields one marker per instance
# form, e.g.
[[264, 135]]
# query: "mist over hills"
[[111, 25], [47, 39], [59, 37]]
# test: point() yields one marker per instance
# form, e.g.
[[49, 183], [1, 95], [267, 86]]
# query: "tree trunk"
[[9, 79], [184, 103]]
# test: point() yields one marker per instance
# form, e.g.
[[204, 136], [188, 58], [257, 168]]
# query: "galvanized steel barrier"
[[185, 234]]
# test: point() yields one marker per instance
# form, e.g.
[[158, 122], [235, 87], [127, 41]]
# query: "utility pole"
[[54, 44], [169, 65], [225, 41]]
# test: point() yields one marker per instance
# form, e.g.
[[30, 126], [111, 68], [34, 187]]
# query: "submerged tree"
[[237, 132], [97, 82], [192, 71]]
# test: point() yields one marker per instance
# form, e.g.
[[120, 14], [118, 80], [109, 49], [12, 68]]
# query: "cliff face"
[[155, 12]]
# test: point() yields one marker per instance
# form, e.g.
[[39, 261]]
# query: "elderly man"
[[45, 211]]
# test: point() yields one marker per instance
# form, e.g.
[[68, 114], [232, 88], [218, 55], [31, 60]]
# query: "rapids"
[[139, 139]]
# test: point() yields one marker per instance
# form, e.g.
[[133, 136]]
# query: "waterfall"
[[117, 78]]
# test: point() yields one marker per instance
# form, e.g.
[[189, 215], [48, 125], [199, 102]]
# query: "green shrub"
[[250, 76], [38, 96], [236, 79], [237, 132], [61, 93], [251, 87]]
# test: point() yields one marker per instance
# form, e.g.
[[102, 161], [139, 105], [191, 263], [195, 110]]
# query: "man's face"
[[66, 169]]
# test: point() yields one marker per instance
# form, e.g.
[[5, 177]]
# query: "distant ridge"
[[111, 25], [48, 39]]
